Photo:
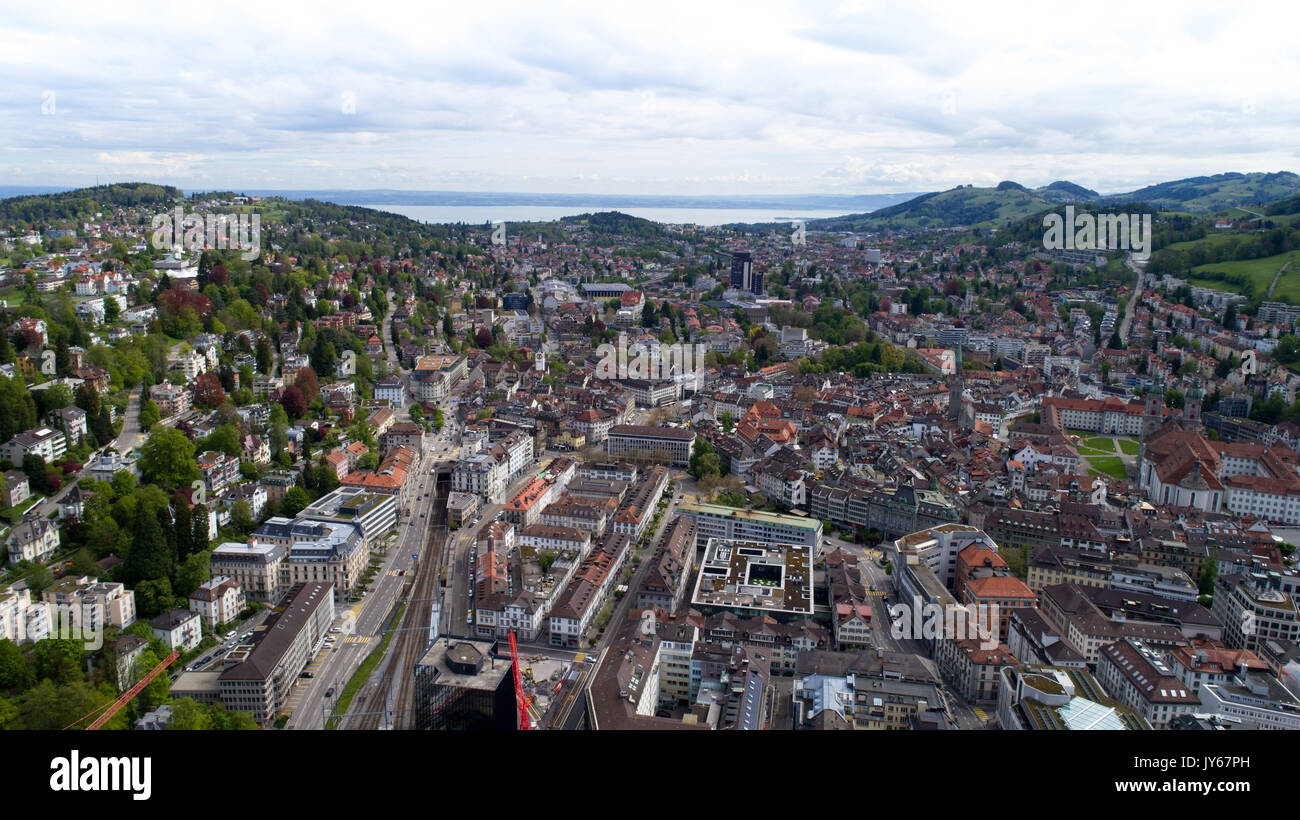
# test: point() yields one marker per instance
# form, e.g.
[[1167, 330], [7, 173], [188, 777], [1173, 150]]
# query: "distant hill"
[[1214, 193], [1011, 202], [1066, 191], [963, 205], [81, 203], [615, 222]]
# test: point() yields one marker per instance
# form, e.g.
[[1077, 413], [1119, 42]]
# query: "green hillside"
[[45, 209], [964, 205], [1010, 202], [1214, 193]]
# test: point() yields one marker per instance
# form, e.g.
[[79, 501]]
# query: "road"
[[1133, 299], [568, 711], [876, 581], [456, 594], [386, 701], [361, 624], [387, 338], [130, 437], [1276, 277]]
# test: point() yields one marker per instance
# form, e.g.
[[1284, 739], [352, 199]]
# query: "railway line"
[[387, 701]]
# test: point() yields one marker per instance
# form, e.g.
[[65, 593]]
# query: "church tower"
[[1192, 404], [955, 388], [1153, 414]]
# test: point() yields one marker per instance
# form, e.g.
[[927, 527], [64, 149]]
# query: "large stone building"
[[672, 443]]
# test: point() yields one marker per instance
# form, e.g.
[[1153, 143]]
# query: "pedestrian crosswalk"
[[357, 639]]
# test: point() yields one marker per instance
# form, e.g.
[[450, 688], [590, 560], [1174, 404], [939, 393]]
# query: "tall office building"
[[743, 275], [464, 685]]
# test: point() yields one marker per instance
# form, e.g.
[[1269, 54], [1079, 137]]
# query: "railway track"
[[388, 702]]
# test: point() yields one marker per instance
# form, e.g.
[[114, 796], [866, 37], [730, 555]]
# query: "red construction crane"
[[522, 700], [126, 697]]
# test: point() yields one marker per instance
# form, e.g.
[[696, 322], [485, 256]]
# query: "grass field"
[[1107, 465], [1099, 443], [1260, 273], [1128, 446]]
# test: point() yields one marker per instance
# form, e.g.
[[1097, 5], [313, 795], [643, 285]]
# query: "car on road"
[[336, 630], [330, 692], [469, 617]]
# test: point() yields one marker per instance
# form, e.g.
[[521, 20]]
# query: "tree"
[[59, 660], [295, 501], [208, 391], [54, 398], [224, 439], [158, 690], [192, 572], [123, 483], [34, 467], [201, 523], [307, 382], [704, 461], [184, 528], [36, 575], [101, 426], [483, 338], [153, 598], [323, 358], [265, 359], [241, 515], [149, 414], [188, 715], [15, 673], [167, 459], [1209, 572], [293, 402], [438, 421], [148, 558]]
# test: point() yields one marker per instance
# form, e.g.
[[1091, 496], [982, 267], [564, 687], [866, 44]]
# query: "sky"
[[689, 98]]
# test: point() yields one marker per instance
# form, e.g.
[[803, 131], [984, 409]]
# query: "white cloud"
[[681, 97]]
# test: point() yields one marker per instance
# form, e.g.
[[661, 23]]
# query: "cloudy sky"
[[668, 97]]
